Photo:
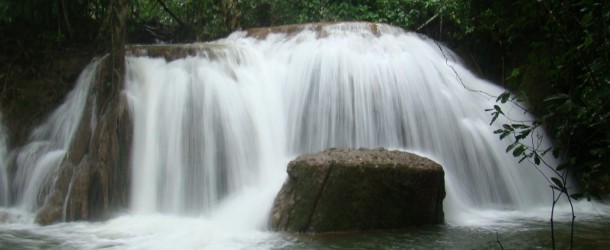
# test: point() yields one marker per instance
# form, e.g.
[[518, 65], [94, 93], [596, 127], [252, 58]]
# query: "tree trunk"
[[97, 163], [119, 11]]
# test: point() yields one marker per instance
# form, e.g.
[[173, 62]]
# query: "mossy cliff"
[[359, 189]]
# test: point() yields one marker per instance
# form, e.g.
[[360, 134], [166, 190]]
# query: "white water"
[[203, 129], [4, 182], [213, 134], [38, 161], [227, 120]]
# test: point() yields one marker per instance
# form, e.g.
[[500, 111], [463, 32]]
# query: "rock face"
[[359, 189], [94, 176], [93, 181]]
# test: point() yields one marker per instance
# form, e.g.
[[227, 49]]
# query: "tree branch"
[[66, 19], [170, 13], [427, 22]]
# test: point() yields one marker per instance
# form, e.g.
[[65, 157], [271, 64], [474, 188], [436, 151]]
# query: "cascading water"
[[4, 184], [356, 89], [38, 161], [205, 126], [213, 134]]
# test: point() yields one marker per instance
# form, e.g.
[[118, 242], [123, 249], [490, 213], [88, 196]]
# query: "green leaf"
[[519, 151], [498, 109], [494, 117], [523, 134], [536, 159], [588, 41], [503, 97], [558, 183], [577, 196], [556, 152], [514, 73], [505, 134], [511, 146]]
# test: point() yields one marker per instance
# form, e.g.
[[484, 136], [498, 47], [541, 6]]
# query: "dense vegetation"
[[554, 54]]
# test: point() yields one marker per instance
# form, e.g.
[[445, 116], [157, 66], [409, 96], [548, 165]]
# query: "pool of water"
[[487, 230], [523, 235]]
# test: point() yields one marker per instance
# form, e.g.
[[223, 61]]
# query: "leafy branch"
[[556, 176]]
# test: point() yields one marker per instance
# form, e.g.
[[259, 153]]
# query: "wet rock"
[[94, 175], [9, 217], [173, 52], [359, 189], [35, 87]]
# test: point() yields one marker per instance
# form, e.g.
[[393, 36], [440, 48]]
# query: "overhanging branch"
[[170, 12]]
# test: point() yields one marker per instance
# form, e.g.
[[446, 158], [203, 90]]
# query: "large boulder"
[[359, 189]]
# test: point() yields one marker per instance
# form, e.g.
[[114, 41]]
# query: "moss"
[[310, 184], [355, 190]]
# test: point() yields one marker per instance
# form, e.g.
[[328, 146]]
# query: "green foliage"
[[209, 19], [32, 28], [180, 18], [556, 176], [562, 51]]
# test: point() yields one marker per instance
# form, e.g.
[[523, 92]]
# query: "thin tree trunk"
[[119, 12], [66, 19]]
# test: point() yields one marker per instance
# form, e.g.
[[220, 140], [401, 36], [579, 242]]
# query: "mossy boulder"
[[359, 189]]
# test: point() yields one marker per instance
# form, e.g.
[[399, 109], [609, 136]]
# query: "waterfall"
[[355, 88], [213, 132], [222, 122], [4, 184], [201, 128], [37, 163]]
